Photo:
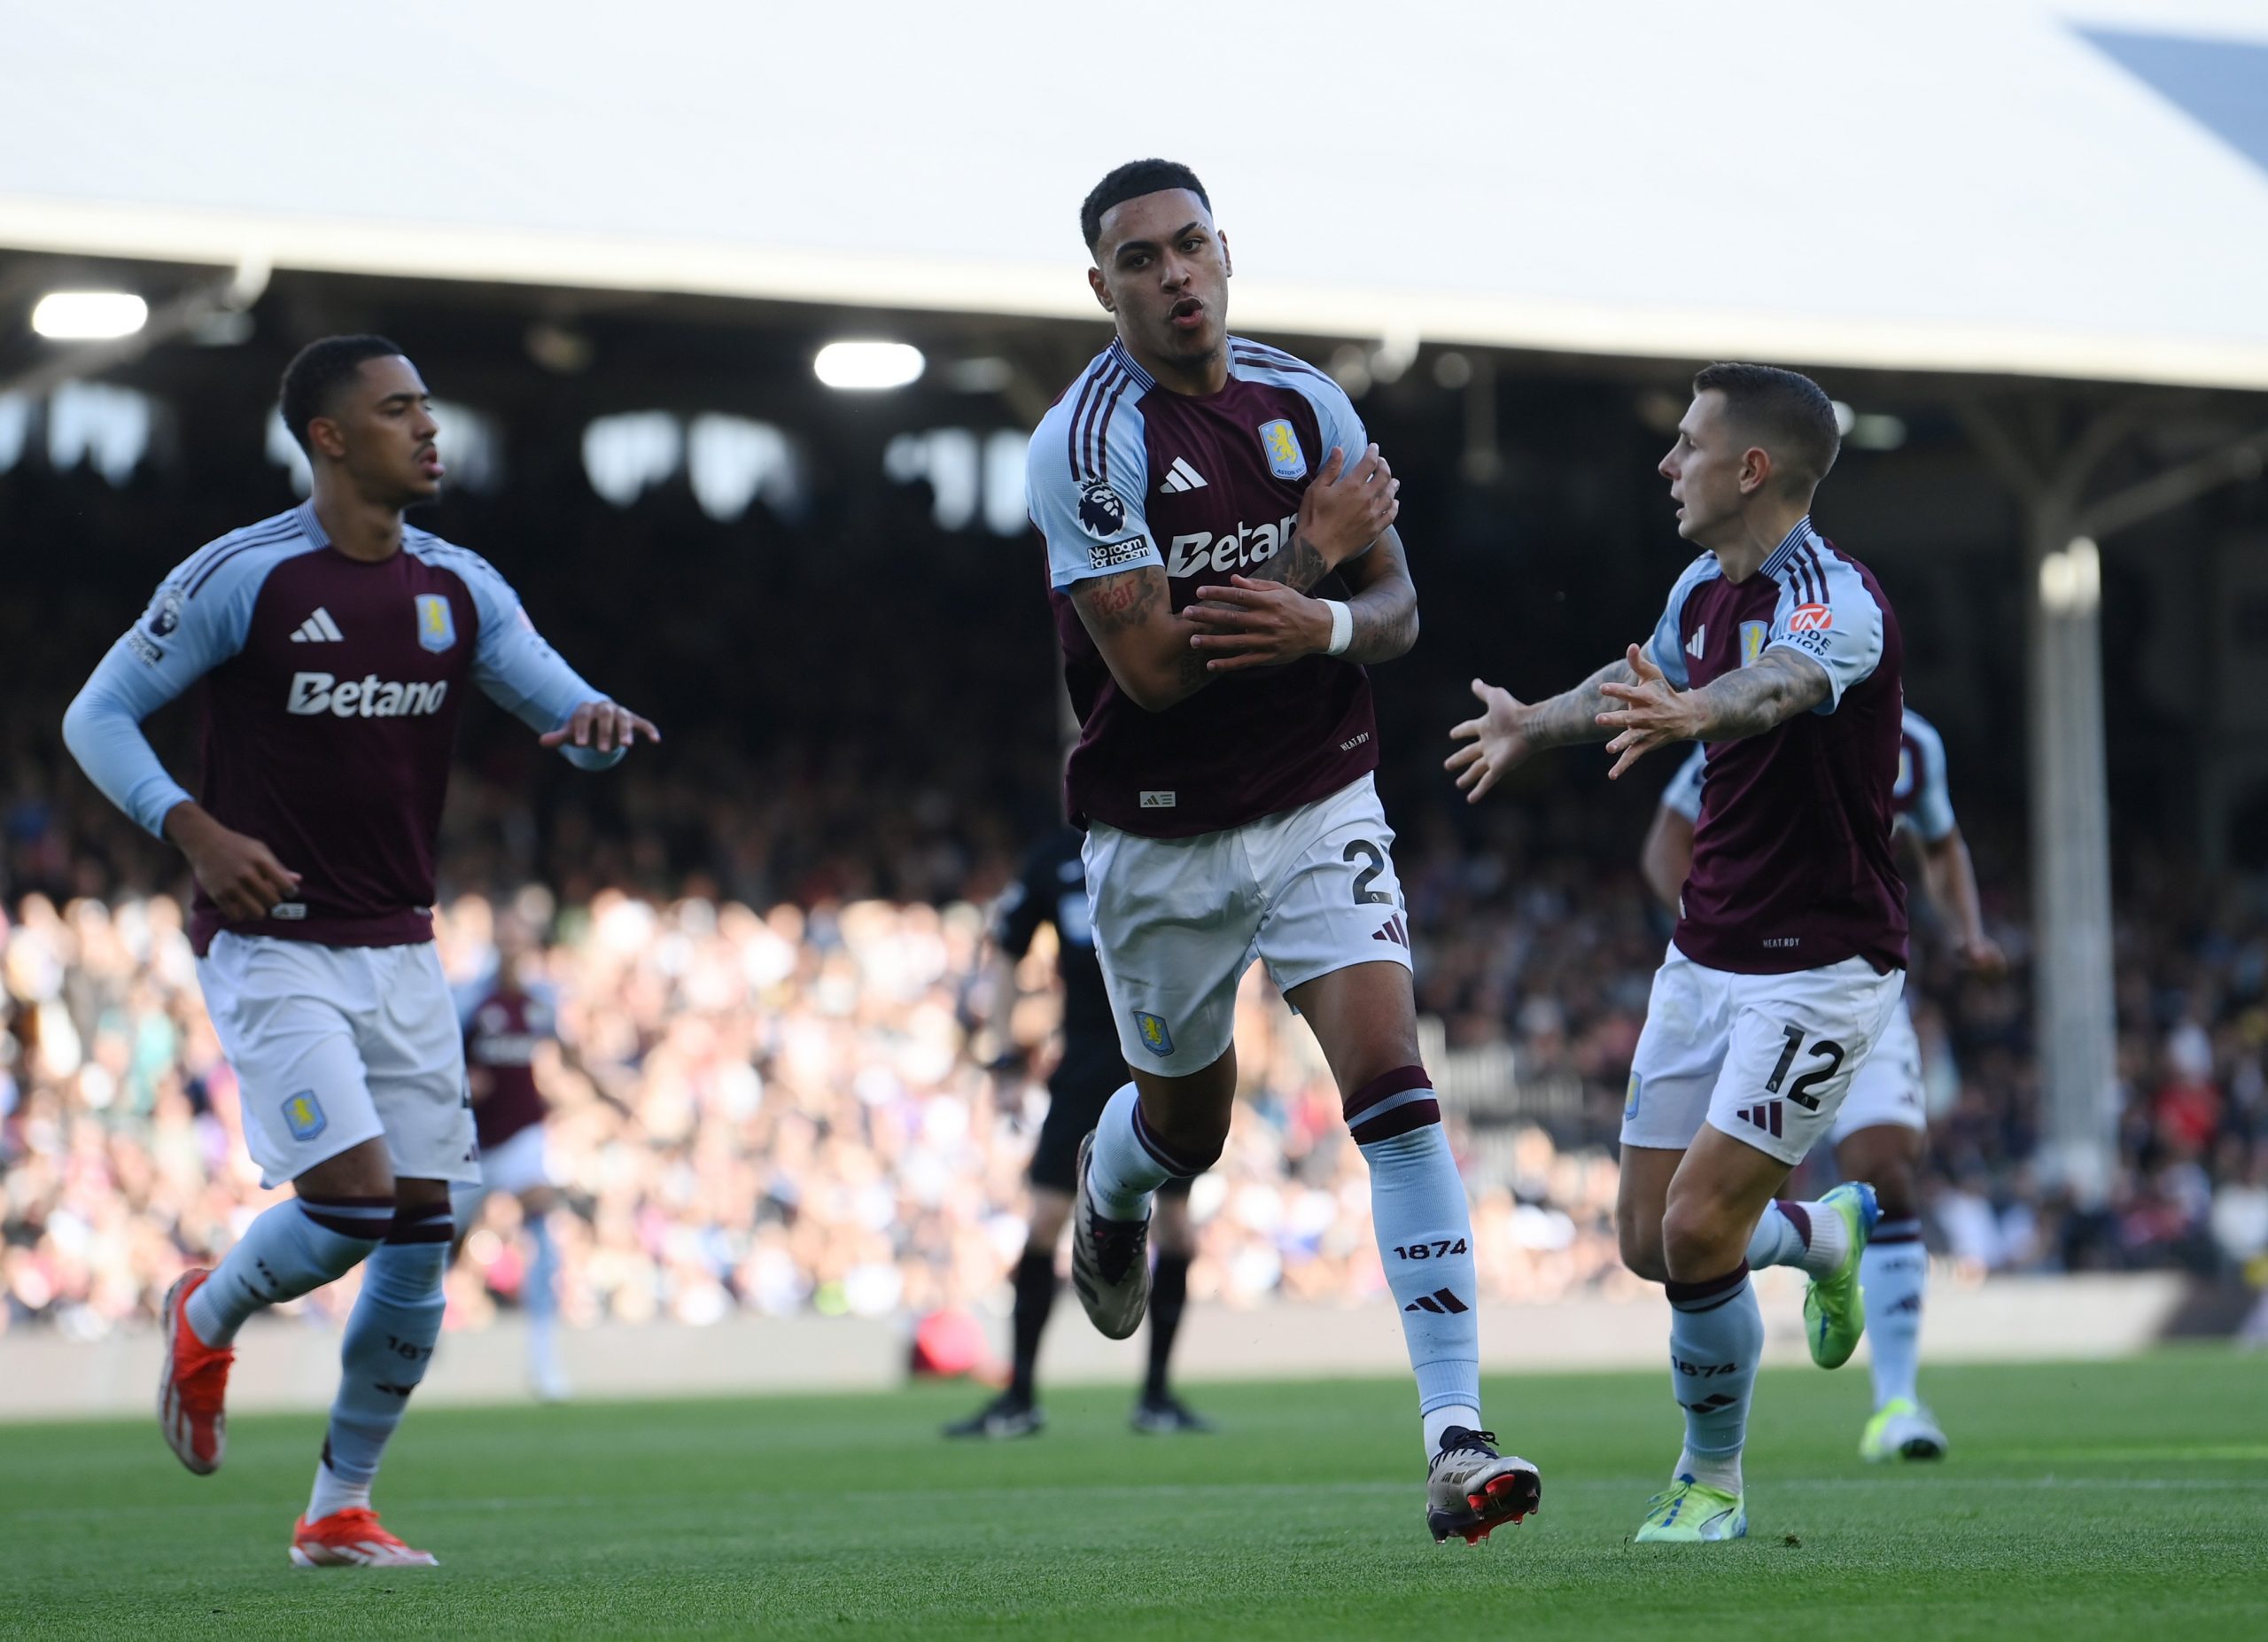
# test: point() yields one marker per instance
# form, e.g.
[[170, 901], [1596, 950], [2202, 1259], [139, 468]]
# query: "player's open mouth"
[[1188, 313], [429, 461]]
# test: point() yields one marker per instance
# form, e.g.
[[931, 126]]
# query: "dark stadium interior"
[[860, 703]]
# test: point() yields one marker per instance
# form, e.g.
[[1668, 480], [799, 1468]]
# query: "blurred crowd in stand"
[[767, 941]]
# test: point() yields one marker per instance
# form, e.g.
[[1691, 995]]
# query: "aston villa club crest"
[[1155, 1036], [303, 1115], [436, 622], [1752, 641], [1285, 459], [1101, 510]]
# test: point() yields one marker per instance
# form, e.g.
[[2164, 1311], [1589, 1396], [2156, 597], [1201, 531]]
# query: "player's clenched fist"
[[1495, 743], [1349, 504], [602, 725]]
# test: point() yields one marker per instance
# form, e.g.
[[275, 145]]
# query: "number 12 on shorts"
[[1800, 1091]]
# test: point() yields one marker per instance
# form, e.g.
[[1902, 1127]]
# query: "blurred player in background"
[[506, 1015], [1195, 490], [334, 643], [1878, 1134], [1053, 888], [1781, 654]]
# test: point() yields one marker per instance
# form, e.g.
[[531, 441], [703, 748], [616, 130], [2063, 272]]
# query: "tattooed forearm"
[[1761, 696], [1385, 622], [1297, 564], [1114, 603], [1572, 716]]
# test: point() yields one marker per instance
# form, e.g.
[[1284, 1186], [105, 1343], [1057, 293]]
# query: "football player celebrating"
[[1196, 491]]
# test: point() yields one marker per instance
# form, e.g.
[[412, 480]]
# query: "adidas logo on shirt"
[[1181, 477], [1698, 643], [318, 629]]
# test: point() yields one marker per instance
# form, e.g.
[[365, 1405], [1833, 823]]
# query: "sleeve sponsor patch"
[[164, 612], [146, 651], [1102, 510], [1112, 555]]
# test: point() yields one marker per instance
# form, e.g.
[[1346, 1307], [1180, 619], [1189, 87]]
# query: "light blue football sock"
[[1894, 1269], [540, 1294], [1423, 1226], [1716, 1334], [294, 1247], [390, 1337]]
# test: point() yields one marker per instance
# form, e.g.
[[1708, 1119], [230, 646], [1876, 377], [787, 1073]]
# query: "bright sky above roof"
[[2076, 190]]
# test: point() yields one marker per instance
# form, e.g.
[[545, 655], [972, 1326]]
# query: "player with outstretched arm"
[[1196, 490], [1781, 654], [334, 643], [1879, 1134]]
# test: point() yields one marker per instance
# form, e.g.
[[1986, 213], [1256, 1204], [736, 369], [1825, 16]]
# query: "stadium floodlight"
[[88, 316], [868, 365]]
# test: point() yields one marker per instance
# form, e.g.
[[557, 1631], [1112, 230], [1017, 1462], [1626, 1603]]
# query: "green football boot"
[[1902, 1429], [1834, 1307], [1690, 1513]]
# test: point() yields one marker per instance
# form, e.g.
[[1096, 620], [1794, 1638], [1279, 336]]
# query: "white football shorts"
[[518, 1164], [1179, 920], [334, 1045], [1767, 1059], [1887, 1092]]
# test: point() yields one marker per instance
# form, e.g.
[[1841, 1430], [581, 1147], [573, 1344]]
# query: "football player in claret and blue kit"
[[1223, 564], [334, 643], [1779, 654], [1878, 1136]]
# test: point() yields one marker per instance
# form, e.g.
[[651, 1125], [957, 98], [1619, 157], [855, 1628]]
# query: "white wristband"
[[1342, 627]]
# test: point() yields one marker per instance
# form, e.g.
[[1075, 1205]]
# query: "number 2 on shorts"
[[1363, 849]]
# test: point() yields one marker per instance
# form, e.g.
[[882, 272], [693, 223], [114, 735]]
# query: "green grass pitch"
[[2126, 1499]]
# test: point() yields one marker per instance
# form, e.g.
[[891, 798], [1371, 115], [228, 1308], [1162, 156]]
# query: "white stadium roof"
[[2008, 186]]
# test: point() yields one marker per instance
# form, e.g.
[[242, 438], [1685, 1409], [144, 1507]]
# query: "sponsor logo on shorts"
[[1159, 800], [1285, 460], [1764, 1115], [1155, 1036], [1396, 931], [1630, 1099], [436, 622], [1111, 554], [303, 1115]]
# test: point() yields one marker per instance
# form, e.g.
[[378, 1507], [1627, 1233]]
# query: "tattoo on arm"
[[1115, 603], [1384, 603], [1135, 599], [1761, 696], [1572, 716], [1298, 565]]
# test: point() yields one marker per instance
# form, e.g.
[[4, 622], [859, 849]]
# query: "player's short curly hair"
[[1789, 412], [1131, 181], [317, 372]]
